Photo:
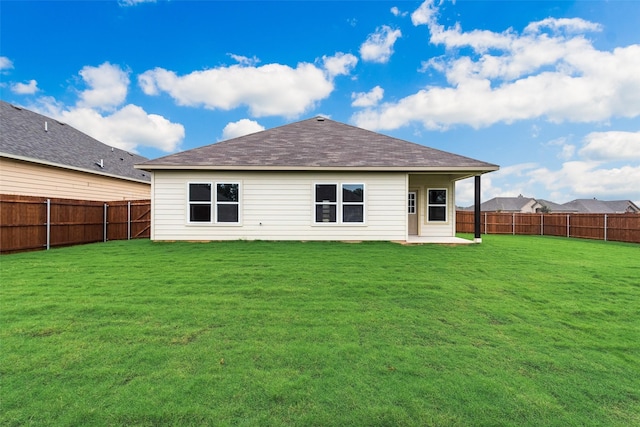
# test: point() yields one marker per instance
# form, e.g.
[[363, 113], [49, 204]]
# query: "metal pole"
[[476, 211], [104, 232], [128, 220], [605, 227], [48, 202]]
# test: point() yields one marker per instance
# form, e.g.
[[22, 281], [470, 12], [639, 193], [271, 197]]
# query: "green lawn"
[[518, 331]]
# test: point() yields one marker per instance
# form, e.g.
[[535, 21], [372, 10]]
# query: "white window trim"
[[363, 203], [415, 200], [339, 204], [446, 207], [189, 203], [213, 203]]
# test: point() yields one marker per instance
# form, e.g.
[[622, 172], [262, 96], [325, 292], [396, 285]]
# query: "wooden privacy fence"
[[614, 227], [32, 223]]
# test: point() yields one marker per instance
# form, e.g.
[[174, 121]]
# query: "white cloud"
[[127, 128], [241, 128], [340, 64], [126, 3], [243, 60], [425, 13], [569, 25], [397, 12], [367, 99], [99, 113], [379, 45], [25, 88], [586, 179], [268, 90], [5, 63], [508, 77], [611, 146], [108, 86]]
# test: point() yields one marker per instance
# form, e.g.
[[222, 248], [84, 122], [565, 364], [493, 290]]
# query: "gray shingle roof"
[[505, 204], [317, 143], [23, 136], [555, 207], [602, 206]]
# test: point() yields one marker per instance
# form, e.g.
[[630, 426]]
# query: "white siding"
[[423, 183], [279, 206], [30, 179]]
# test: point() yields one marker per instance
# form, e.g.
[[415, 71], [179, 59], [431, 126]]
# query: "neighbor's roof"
[[29, 136], [505, 204], [555, 207], [318, 144], [602, 206]]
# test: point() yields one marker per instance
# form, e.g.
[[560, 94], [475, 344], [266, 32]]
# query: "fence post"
[[485, 223], [605, 227], [104, 222], [542, 224], [48, 202], [128, 220], [513, 224], [568, 217]]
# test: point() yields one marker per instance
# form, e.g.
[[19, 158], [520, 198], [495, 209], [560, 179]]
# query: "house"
[[522, 204], [602, 206], [518, 204], [40, 156], [315, 179]]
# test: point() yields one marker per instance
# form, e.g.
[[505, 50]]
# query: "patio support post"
[[476, 217]]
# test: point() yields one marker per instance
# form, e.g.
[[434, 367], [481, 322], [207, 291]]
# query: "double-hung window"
[[219, 206], [227, 203], [326, 203], [339, 203], [200, 202], [437, 205], [353, 203]]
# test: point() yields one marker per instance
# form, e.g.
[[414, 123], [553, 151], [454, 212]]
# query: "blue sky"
[[549, 90]]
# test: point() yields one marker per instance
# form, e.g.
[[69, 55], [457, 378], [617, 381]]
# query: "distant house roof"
[[318, 144], [602, 206], [555, 207], [29, 136], [506, 204]]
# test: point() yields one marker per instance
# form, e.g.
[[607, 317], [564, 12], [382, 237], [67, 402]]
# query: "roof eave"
[[472, 170], [73, 168]]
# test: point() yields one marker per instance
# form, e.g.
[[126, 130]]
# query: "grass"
[[518, 331]]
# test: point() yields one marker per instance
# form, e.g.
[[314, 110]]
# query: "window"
[[227, 203], [352, 203], [346, 206], [199, 202], [326, 202], [223, 206], [437, 205], [411, 203]]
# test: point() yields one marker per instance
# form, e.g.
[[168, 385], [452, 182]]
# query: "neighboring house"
[[518, 204], [40, 156], [552, 207], [602, 206], [316, 179]]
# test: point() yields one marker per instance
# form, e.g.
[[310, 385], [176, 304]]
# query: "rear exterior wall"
[[279, 206]]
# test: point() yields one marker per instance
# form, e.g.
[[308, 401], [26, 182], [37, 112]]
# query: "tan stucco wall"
[[29, 179]]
